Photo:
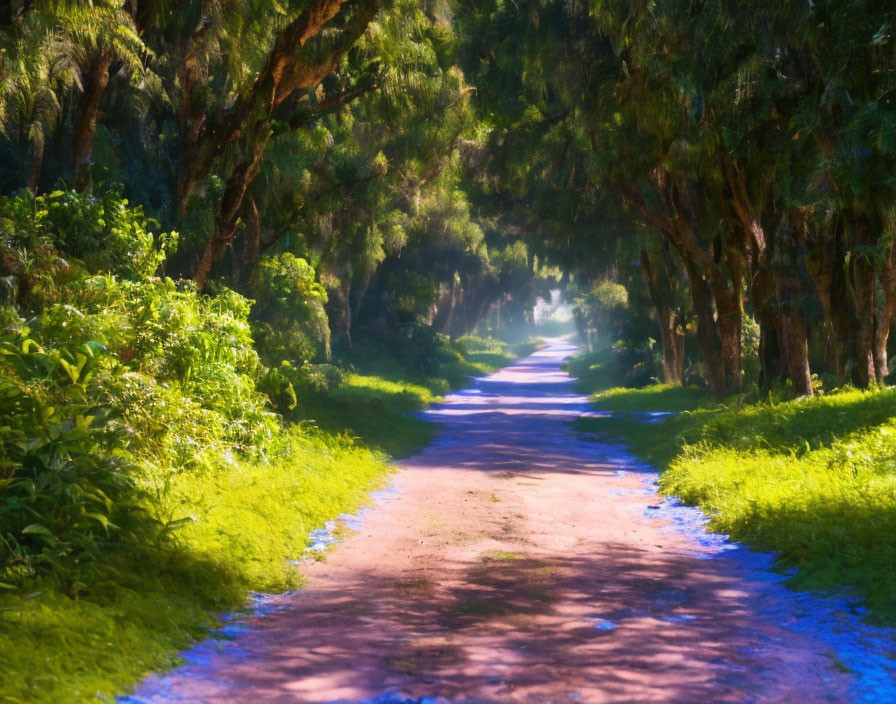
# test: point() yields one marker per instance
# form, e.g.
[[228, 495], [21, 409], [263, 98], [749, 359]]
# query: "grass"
[[376, 410], [596, 371], [249, 520], [812, 479], [655, 398]]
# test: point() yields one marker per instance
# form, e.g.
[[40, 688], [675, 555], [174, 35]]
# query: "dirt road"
[[516, 563]]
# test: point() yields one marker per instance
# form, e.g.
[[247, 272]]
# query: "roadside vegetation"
[[811, 479], [376, 398], [225, 289]]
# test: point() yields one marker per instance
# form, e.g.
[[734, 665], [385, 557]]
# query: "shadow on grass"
[[831, 540], [655, 398], [376, 406], [378, 420]]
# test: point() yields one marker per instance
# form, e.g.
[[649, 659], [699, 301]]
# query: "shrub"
[[289, 319], [105, 403], [101, 231], [423, 349], [469, 344], [66, 472], [601, 314]]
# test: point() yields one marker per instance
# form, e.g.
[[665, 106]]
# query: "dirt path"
[[515, 563]]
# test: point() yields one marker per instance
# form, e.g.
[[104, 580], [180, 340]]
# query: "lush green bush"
[[67, 475], [104, 402], [116, 383], [289, 318], [51, 233], [246, 524], [424, 350], [601, 313], [470, 344], [142, 469]]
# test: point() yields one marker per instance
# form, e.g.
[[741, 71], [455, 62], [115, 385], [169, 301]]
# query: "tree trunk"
[[829, 275], [659, 286], [762, 284], [729, 321], [884, 311], [794, 334], [863, 284], [229, 209], [347, 312], [244, 262], [706, 328], [87, 114], [288, 69], [764, 295], [722, 268]]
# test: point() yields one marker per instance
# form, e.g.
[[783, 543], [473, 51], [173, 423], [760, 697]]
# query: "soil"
[[516, 562]]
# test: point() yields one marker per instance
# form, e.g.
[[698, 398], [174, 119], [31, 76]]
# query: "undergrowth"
[[164, 452], [812, 479]]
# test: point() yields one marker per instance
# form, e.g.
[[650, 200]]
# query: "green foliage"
[[66, 474], [288, 319], [376, 402], [602, 310], [664, 398], [145, 484], [102, 231], [103, 403], [624, 364], [374, 409], [423, 350], [471, 344]]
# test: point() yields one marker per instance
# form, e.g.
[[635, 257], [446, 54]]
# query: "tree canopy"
[[729, 163]]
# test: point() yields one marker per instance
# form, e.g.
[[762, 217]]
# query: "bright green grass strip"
[[56, 650], [375, 410], [813, 479], [254, 519], [658, 397], [250, 520]]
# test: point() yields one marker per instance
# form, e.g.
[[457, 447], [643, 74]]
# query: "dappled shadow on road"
[[518, 420], [491, 632]]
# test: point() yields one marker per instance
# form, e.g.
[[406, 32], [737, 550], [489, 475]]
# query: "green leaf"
[[102, 520], [38, 529]]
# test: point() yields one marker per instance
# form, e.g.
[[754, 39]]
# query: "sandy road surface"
[[515, 563]]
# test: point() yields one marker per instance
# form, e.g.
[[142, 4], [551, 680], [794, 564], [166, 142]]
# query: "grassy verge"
[[812, 479], [248, 520], [373, 404]]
